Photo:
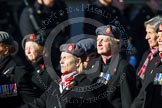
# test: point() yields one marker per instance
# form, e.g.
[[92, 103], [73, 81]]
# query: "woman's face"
[[68, 63], [33, 51], [151, 36]]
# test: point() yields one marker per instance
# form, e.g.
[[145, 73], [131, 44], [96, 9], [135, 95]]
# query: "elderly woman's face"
[[68, 63], [32, 51], [151, 36]]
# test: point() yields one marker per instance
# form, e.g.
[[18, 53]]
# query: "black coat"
[[38, 78], [148, 68], [153, 97], [150, 94], [73, 98], [120, 90], [12, 73]]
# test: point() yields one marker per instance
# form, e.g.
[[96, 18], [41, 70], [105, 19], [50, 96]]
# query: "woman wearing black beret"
[[38, 77], [72, 89]]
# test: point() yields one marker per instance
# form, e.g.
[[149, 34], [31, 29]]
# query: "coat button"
[[38, 71]]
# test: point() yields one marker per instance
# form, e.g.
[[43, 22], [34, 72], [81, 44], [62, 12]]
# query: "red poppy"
[[41, 66], [70, 47], [156, 62]]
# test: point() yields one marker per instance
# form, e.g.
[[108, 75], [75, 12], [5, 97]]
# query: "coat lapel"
[[73, 84], [93, 72]]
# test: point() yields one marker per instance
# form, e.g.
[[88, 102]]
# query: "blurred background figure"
[[105, 12], [42, 16], [8, 22]]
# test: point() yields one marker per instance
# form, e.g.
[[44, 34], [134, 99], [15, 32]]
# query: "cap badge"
[[108, 30], [70, 47], [31, 37]]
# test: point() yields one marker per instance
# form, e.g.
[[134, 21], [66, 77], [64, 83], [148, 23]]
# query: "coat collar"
[[77, 80], [113, 64]]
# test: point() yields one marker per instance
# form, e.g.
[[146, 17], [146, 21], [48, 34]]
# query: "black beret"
[[89, 45], [74, 49], [109, 30], [6, 38], [39, 39]]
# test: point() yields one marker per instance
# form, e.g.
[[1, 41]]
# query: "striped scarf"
[[149, 58], [66, 79]]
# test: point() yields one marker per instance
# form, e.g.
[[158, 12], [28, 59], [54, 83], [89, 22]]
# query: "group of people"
[[93, 72], [41, 16]]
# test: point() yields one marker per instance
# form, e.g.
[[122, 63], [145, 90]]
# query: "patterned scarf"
[[66, 79], [149, 57]]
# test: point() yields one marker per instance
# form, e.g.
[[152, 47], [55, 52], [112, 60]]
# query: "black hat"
[[39, 39], [74, 49], [109, 30], [6, 38], [89, 45]]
